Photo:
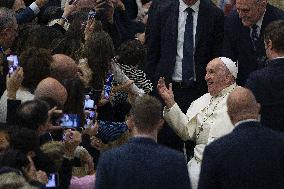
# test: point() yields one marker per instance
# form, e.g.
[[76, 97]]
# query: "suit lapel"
[[201, 22], [174, 21]]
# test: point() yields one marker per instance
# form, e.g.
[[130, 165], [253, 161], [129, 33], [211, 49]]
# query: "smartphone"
[[13, 63], [108, 86], [71, 121], [52, 180]]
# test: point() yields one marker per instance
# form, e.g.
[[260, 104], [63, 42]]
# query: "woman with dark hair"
[[35, 63], [75, 99], [99, 51], [36, 67]]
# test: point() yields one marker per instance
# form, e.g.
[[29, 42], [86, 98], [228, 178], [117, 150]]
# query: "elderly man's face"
[[250, 11], [9, 34], [215, 77]]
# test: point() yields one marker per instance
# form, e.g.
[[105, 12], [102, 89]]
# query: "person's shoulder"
[[276, 136], [170, 153], [260, 75], [222, 144], [202, 98], [277, 12], [211, 7], [116, 151], [233, 18]]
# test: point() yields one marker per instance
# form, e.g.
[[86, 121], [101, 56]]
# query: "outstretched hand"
[[166, 93]]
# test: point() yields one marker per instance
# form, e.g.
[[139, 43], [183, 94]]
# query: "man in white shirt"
[[207, 118], [184, 35]]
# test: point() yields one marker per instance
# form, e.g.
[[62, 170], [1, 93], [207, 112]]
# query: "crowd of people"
[[141, 94]]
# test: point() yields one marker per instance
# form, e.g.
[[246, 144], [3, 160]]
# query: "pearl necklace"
[[206, 116]]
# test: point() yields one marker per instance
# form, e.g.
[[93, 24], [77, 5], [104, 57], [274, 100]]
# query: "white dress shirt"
[[259, 24], [177, 75]]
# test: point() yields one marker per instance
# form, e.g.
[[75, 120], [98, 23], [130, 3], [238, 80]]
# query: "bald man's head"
[[63, 67], [242, 105], [50, 88]]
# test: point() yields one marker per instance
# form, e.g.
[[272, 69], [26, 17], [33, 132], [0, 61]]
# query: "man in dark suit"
[[267, 84], [182, 37], [250, 157], [141, 163], [243, 35]]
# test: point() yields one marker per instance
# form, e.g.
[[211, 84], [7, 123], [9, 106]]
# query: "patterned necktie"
[[187, 61], [254, 35]]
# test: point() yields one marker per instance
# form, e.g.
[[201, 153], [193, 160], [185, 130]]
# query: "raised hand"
[[14, 82], [166, 93]]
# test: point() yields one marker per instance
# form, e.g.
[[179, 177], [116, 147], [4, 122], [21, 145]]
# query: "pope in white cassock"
[[207, 118]]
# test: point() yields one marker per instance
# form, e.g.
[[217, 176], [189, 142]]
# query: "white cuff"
[[34, 8], [167, 110]]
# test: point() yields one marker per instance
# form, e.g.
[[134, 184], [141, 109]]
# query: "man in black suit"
[[267, 84], [141, 163], [250, 157], [183, 36], [243, 35]]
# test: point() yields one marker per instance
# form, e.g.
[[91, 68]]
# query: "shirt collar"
[[227, 90], [183, 6], [246, 120], [279, 57], [259, 22]]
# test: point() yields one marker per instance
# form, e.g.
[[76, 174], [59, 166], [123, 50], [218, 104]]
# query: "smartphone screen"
[[13, 62], [52, 180], [90, 105], [108, 86], [91, 15], [70, 121], [90, 115]]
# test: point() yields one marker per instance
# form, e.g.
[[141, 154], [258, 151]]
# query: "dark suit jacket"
[[162, 39], [268, 89], [142, 163], [251, 157], [24, 16], [237, 43]]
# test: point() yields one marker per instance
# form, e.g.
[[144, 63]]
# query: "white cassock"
[[206, 120]]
